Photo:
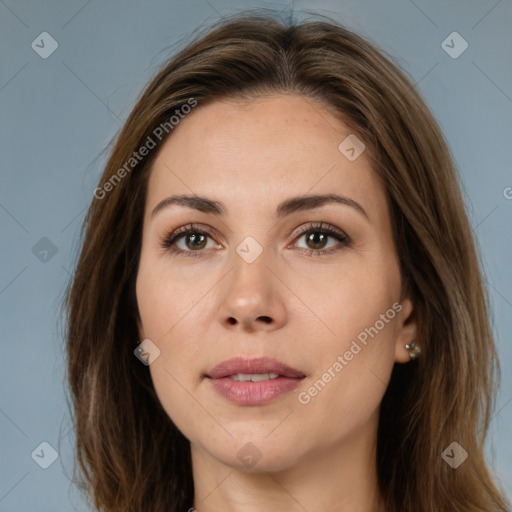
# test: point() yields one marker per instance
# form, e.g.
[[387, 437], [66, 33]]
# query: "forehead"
[[262, 151]]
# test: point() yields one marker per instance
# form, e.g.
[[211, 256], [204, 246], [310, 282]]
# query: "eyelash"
[[168, 242]]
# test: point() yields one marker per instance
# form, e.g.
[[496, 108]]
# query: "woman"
[[280, 223]]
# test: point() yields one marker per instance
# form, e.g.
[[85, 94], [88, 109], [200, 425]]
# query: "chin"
[[255, 454]]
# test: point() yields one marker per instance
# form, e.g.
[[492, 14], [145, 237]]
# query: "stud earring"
[[413, 350]]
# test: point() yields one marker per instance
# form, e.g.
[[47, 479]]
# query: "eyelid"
[[320, 226], [170, 238]]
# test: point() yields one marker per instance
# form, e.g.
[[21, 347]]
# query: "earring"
[[413, 350]]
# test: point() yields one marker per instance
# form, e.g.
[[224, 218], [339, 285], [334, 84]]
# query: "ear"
[[407, 330]]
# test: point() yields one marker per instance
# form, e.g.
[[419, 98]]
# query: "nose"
[[250, 298]]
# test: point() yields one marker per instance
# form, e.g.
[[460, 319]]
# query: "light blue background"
[[58, 114]]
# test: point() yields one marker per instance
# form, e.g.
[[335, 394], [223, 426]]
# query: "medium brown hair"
[[130, 455]]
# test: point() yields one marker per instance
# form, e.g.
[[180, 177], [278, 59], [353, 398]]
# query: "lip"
[[255, 365], [253, 393]]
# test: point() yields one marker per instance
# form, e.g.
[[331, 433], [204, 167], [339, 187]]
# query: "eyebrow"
[[287, 207]]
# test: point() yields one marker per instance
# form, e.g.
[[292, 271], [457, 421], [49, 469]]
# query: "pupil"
[[312, 237], [194, 238]]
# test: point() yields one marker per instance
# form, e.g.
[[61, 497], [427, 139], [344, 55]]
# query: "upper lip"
[[252, 366]]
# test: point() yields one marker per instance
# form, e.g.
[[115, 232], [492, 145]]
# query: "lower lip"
[[254, 393]]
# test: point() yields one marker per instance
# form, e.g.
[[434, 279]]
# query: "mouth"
[[246, 369], [253, 381], [254, 377]]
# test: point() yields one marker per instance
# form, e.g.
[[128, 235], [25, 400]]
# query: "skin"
[[200, 311]]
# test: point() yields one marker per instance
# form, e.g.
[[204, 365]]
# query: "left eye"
[[318, 240]]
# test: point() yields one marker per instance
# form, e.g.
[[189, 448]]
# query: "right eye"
[[187, 240]]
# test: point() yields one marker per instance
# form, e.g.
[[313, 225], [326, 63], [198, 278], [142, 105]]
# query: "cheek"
[[170, 312], [168, 300], [355, 353], [170, 320], [346, 299], [175, 396], [353, 375]]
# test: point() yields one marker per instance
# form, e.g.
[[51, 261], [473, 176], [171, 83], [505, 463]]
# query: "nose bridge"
[[251, 297]]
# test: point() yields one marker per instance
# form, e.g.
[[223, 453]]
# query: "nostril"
[[266, 319], [232, 321]]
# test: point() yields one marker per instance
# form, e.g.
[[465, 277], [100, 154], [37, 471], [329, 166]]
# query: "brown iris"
[[317, 239], [198, 241]]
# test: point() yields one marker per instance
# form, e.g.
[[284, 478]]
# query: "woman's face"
[[258, 277]]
